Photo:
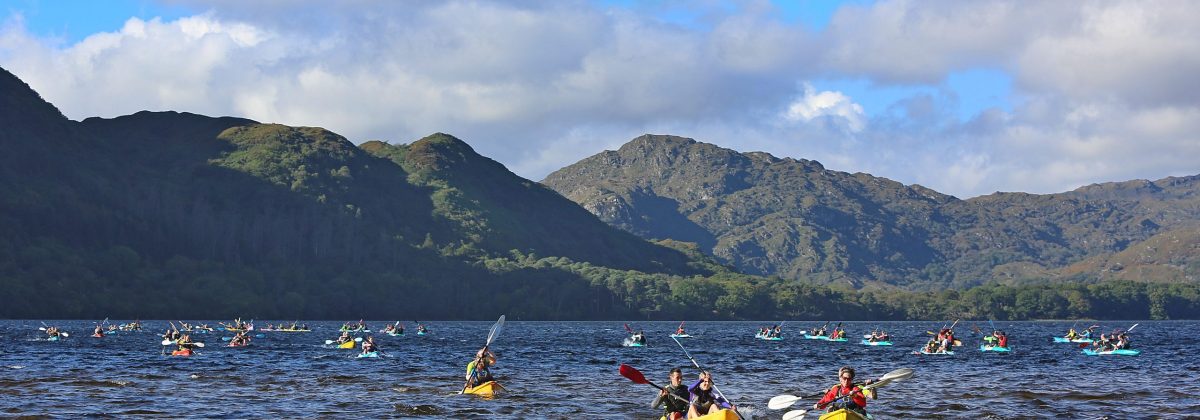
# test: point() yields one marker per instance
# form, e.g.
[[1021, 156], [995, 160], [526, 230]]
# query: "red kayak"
[[184, 352]]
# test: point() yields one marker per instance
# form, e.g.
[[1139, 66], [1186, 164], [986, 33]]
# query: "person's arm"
[[828, 398], [658, 399]]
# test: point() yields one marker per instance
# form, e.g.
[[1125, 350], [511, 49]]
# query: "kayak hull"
[[876, 343], [1077, 340], [843, 414], [182, 353], [1118, 352], [936, 353], [681, 336], [824, 337], [722, 414], [997, 349], [486, 389], [346, 345], [368, 355]]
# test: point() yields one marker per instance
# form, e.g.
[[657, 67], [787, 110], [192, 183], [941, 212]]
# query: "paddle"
[[169, 342], [714, 384], [794, 414], [492, 334], [62, 333], [637, 378], [784, 401]]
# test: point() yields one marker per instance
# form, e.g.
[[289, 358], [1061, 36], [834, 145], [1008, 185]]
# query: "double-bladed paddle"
[[784, 401], [169, 342]]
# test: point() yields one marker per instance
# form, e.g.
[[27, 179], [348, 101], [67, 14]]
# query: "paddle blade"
[[64, 334], [794, 414], [357, 339], [328, 342], [495, 331], [897, 375], [166, 342], [780, 402], [201, 345], [633, 374]]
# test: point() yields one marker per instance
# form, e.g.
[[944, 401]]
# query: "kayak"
[[1077, 340], [934, 353], [396, 334], [998, 349], [486, 389], [629, 342], [52, 338], [98, 335], [1118, 352], [239, 345], [876, 343], [346, 345], [722, 414], [681, 336], [824, 337], [771, 338], [184, 352], [368, 354], [420, 332], [843, 414]]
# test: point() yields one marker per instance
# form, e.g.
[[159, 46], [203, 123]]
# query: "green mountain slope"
[[798, 220]]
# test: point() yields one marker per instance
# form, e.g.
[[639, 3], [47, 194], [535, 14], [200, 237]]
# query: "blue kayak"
[[369, 354], [998, 349], [1077, 340], [876, 343], [951, 353], [1117, 352]]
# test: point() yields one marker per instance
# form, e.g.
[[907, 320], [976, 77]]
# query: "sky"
[[967, 98]]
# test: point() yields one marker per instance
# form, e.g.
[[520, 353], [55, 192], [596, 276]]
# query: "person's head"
[[845, 375], [676, 376], [705, 381]]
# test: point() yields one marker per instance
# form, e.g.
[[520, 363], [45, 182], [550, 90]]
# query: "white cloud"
[[813, 105]]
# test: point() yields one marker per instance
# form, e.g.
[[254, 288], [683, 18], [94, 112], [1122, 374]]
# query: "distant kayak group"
[[942, 342]]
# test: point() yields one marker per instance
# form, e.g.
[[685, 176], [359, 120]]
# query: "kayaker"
[[345, 337], [1122, 341], [421, 328], [680, 331], [673, 397], [98, 332], [931, 346], [639, 338], [478, 370], [704, 398], [239, 339], [184, 342], [1001, 339], [846, 394], [369, 346], [778, 331], [399, 328], [1071, 334], [52, 332]]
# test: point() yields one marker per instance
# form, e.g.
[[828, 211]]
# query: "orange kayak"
[[184, 352]]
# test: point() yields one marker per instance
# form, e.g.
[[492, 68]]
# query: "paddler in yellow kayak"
[[477, 370], [846, 394], [705, 400], [675, 407]]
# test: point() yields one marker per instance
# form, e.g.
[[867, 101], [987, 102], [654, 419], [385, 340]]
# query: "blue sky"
[[963, 97]]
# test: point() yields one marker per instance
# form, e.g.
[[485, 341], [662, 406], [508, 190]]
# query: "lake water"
[[569, 370]]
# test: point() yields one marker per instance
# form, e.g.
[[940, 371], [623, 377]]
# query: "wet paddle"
[[794, 414], [169, 342], [356, 340], [714, 384], [636, 376]]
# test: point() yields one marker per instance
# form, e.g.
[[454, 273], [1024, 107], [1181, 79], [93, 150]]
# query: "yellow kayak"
[[723, 414], [842, 414], [346, 345], [486, 389]]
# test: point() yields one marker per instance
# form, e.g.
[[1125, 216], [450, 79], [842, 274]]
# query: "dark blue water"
[[569, 370]]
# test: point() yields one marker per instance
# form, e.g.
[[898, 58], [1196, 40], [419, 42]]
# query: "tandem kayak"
[[183, 353], [1077, 340], [722, 414], [629, 342], [876, 343], [368, 354], [486, 389], [843, 414], [346, 345], [998, 349], [771, 338], [1117, 352]]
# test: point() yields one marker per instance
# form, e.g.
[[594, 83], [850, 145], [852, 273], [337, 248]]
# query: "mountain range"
[[171, 215], [798, 220]]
